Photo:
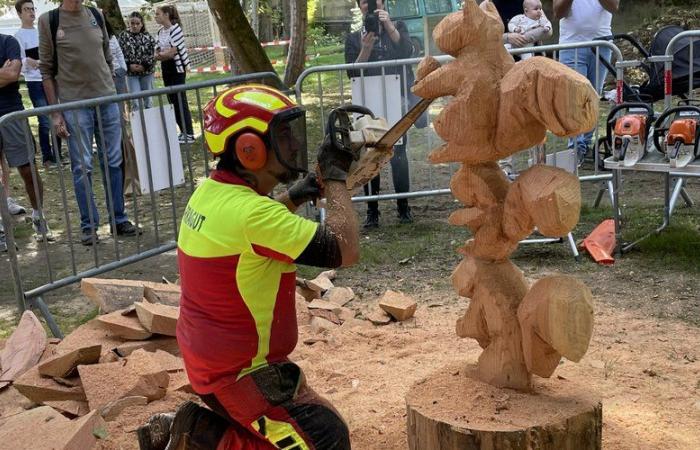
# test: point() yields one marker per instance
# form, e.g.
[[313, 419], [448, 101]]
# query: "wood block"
[[32, 429], [65, 364], [142, 359], [157, 318], [378, 316], [556, 318], [323, 281], [451, 409], [111, 294], [180, 382], [113, 409], [69, 407], [167, 294], [339, 295], [400, 306], [346, 314], [82, 433], [165, 343], [41, 389], [322, 304], [104, 383], [319, 324], [325, 314], [123, 326], [90, 333], [330, 274], [24, 347]]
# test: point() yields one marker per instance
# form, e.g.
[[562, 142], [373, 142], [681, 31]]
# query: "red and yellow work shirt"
[[235, 252]]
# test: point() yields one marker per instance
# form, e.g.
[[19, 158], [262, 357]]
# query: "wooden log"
[[41, 389], [157, 318], [124, 326], [556, 318], [64, 365], [23, 349], [167, 294], [452, 410], [111, 294]]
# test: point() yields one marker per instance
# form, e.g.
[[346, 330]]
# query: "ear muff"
[[251, 151]]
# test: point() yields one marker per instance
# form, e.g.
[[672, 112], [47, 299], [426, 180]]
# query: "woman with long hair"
[[174, 62], [139, 50]]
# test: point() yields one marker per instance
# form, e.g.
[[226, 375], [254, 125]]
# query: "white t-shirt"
[[117, 55], [586, 21], [28, 39]]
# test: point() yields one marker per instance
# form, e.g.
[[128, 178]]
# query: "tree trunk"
[[112, 13], [297, 48], [255, 17], [247, 52], [451, 410]]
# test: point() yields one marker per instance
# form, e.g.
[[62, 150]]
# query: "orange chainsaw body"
[[632, 125], [682, 130]]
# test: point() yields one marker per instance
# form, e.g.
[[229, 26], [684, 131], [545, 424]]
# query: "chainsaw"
[[628, 133], [681, 137], [368, 138]]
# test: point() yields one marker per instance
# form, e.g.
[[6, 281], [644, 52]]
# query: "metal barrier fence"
[[426, 179], [155, 213]]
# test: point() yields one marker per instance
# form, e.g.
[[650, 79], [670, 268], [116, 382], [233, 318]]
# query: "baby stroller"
[[652, 89]]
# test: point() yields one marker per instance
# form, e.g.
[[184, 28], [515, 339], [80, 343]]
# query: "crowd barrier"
[[156, 192]]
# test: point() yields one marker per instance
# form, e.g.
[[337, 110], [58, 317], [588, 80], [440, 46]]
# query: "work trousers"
[[273, 408], [400, 176]]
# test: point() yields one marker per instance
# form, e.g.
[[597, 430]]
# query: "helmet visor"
[[288, 139]]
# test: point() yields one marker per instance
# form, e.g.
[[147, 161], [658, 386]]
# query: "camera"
[[371, 20]]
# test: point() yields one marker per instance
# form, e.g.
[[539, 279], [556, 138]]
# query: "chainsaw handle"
[[661, 131], [612, 120], [342, 114]]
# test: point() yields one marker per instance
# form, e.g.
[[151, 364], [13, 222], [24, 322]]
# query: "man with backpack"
[[76, 64]]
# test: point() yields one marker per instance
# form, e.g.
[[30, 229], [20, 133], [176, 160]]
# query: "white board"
[[156, 135], [383, 98], [565, 159]]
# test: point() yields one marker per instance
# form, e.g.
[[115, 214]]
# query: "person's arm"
[[562, 8], [389, 26], [404, 47], [610, 5], [305, 190], [105, 45], [46, 61], [544, 30], [147, 59], [9, 73], [353, 50]]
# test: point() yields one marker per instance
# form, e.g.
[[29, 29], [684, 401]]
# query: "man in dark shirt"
[[15, 148], [392, 42]]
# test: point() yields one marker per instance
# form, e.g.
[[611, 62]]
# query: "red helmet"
[[264, 111]]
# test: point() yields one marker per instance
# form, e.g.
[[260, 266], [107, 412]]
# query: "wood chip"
[[65, 364], [24, 347], [400, 306]]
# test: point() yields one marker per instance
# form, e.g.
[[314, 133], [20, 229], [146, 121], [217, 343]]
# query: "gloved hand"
[[334, 164], [305, 190]]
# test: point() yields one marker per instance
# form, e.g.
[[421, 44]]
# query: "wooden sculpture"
[[499, 108]]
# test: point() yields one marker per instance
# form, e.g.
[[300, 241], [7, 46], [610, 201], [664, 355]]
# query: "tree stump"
[[453, 410]]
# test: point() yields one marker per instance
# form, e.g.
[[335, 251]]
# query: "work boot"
[[372, 219], [155, 434], [196, 428], [404, 211]]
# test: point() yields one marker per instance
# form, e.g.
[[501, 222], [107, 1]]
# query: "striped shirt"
[[174, 37]]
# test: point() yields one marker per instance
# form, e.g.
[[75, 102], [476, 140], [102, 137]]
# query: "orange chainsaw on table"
[[628, 128], [680, 137]]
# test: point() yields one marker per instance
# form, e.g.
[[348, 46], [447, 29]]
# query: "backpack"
[[53, 25]]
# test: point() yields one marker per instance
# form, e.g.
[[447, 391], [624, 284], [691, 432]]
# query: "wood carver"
[[500, 108]]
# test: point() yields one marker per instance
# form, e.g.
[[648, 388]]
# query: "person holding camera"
[[382, 39]]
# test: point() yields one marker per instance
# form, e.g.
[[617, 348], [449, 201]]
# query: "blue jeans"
[[38, 98], [583, 61], [138, 84], [83, 126]]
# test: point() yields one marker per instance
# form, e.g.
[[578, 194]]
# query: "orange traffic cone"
[[600, 244]]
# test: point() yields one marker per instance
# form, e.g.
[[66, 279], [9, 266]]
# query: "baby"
[[533, 24]]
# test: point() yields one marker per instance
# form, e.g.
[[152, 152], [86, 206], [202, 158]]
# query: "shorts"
[[13, 142]]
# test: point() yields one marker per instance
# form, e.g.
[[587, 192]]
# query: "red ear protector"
[[251, 151]]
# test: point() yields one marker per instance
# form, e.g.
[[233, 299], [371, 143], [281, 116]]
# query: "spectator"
[[118, 62], [15, 149], [532, 24], [139, 50], [81, 68], [585, 20], [393, 42], [174, 62], [28, 38]]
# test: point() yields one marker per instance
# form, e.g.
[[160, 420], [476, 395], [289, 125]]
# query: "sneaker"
[[3, 243], [155, 434], [48, 165], [185, 138], [41, 230], [88, 236], [127, 229], [14, 208], [405, 216], [372, 219]]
